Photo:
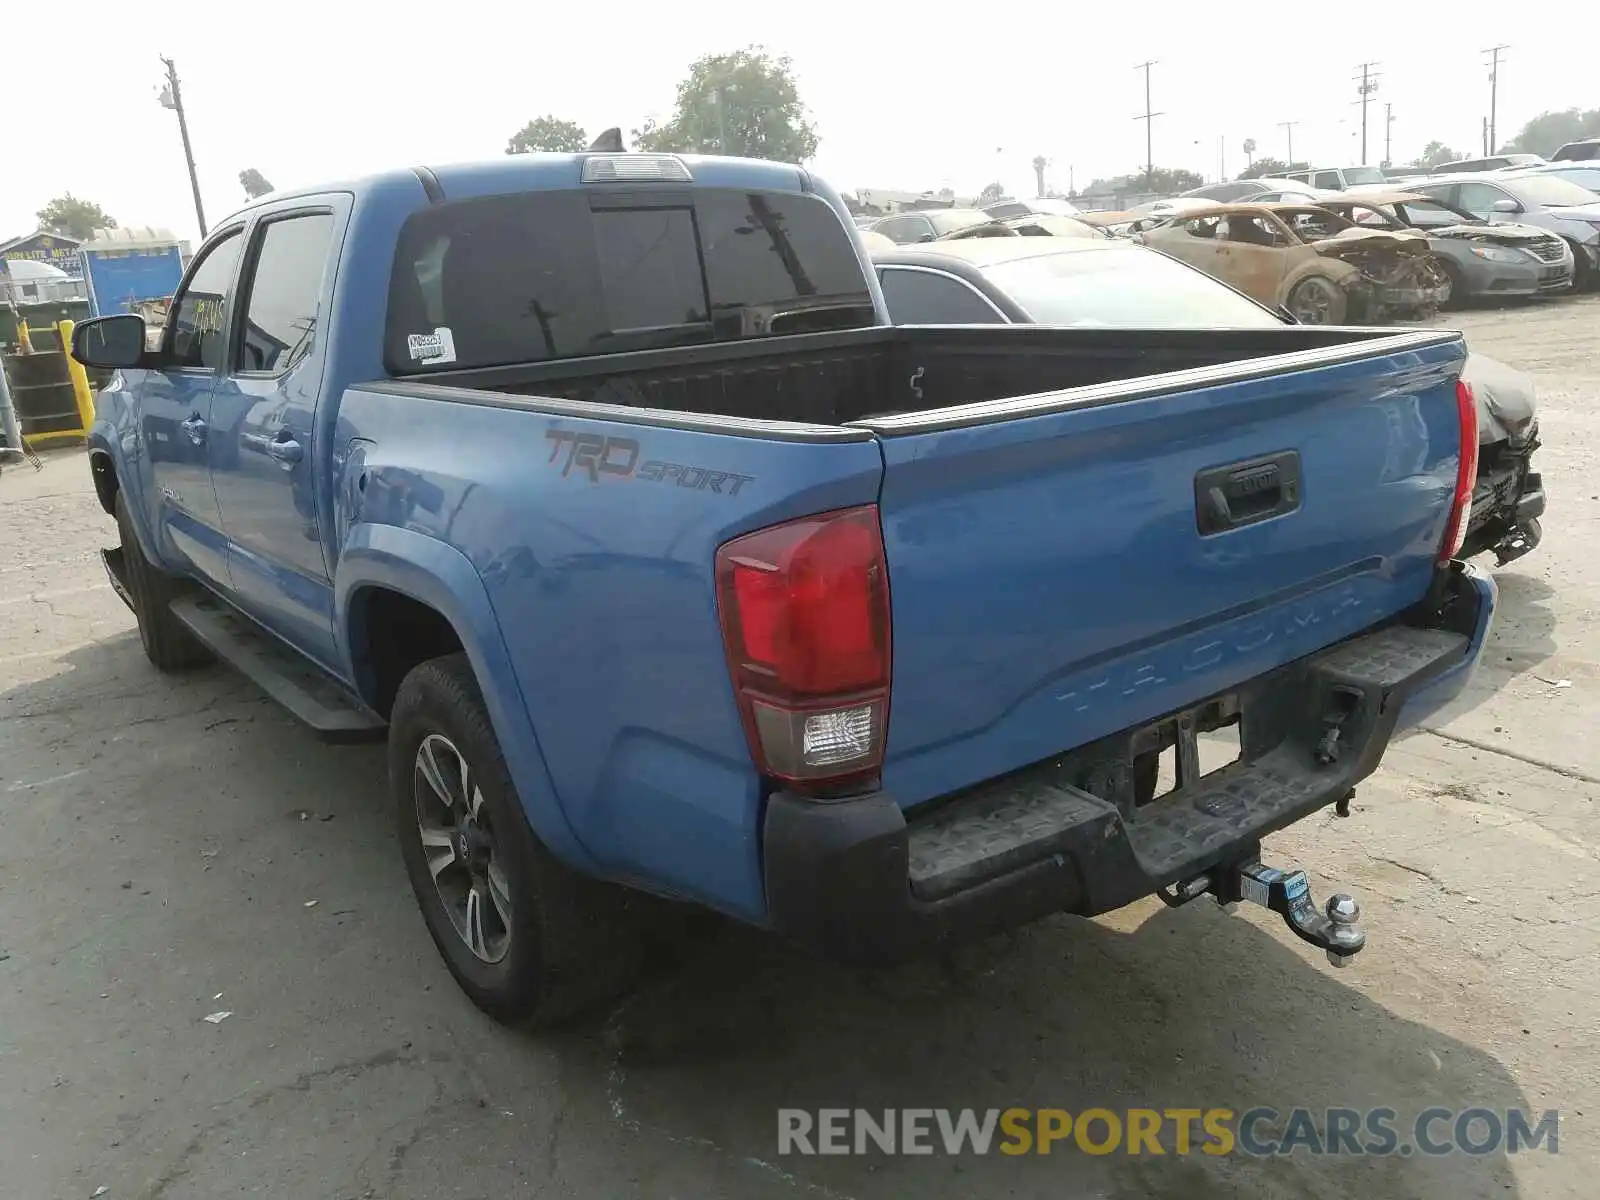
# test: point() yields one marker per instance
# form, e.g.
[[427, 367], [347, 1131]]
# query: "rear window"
[[547, 275]]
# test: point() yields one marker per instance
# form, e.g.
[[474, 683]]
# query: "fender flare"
[[101, 440], [438, 575]]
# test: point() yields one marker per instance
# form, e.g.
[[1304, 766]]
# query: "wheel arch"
[[394, 588]]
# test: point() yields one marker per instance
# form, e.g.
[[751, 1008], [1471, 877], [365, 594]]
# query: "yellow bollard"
[[80, 378], [23, 338]]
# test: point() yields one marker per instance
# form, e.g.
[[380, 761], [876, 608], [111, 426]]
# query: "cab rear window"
[[547, 275]]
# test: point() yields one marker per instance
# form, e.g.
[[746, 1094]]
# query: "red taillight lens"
[[805, 621], [1455, 530]]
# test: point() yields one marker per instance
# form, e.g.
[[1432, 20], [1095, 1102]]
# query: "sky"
[[904, 96]]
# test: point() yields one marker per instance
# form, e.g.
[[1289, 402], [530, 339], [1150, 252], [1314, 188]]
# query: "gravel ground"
[[162, 842]]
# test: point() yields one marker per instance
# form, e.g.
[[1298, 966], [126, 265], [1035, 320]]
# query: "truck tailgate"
[[1064, 567]]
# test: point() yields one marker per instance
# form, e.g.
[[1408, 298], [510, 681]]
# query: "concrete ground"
[[171, 848]]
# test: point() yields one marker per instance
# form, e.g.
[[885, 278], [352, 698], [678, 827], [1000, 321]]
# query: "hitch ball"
[[1345, 934]]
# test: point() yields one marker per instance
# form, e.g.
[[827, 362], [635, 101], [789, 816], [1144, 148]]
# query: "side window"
[[930, 298], [1478, 198], [285, 286], [893, 228], [1252, 231], [195, 336], [1327, 179]]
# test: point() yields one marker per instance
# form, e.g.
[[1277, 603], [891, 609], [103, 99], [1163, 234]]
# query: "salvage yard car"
[[924, 225], [1478, 259], [1115, 284], [1348, 276], [599, 486], [1555, 205]]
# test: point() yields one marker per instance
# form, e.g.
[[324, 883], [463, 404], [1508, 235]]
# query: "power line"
[[1288, 127], [1494, 88], [1149, 119], [172, 97], [1366, 84]]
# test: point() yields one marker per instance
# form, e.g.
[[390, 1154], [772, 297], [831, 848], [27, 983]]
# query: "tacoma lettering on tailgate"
[[595, 454]]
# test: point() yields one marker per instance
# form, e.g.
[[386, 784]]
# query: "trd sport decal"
[[594, 455]]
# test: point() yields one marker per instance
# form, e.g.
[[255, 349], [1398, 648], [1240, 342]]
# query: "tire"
[[1317, 300], [1457, 299], [548, 943], [1583, 276], [168, 645]]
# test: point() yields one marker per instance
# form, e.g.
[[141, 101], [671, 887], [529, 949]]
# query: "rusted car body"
[[1319, 267]]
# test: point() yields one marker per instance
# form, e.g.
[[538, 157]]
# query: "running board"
[[308, 694]]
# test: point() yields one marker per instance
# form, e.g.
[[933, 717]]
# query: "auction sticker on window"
[[430, 348]]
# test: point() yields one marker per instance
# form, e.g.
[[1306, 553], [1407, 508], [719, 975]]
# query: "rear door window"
[[286, 284], [543, 275]]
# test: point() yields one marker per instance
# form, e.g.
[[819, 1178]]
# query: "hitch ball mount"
[[1335, 928]]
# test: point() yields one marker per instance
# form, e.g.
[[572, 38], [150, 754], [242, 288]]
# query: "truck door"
[[175, 412], [262, 418]]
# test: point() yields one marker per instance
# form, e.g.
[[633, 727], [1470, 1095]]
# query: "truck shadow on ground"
[[676, 1089], [1193, 1009]]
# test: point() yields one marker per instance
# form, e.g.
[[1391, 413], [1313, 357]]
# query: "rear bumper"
[[853, 877]]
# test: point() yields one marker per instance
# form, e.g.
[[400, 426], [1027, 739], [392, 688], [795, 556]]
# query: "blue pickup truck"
[[599, 486]]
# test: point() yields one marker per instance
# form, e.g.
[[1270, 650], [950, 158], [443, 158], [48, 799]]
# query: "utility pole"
[[1149, 121], [1388, 123], [1365, 86], [1288, 127], [1491, 140], [172, 97]]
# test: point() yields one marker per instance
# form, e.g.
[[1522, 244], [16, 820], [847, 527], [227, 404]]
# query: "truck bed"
[[838, 378]]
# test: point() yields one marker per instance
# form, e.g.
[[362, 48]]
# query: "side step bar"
[[296, 684]]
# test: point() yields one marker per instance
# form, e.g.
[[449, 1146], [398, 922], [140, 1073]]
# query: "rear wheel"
[[168, 644], [525, 937], [1317, 301]]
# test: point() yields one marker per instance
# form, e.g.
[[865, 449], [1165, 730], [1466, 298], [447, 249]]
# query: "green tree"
[[1269, 167], [745, 104], [1549, 131], [991, 193], [1436, 154], [548, 133], [254, 183], [74, 218]]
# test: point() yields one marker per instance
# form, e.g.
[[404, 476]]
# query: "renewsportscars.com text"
[[1254, 1132]]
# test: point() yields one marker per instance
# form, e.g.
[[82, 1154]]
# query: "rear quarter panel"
[[602, 585]]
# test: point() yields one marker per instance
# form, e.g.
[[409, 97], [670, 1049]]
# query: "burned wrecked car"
[[1319, 267], [1478, 259]]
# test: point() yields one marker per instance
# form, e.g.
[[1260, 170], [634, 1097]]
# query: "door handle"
[[286, 450], [195, 427]]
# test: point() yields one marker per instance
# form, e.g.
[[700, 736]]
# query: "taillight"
[[1455, 531], [805, 621]]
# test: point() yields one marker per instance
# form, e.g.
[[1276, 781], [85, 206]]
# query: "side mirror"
[[109, 342], [1505, 206], [927, 237]]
